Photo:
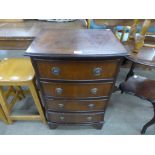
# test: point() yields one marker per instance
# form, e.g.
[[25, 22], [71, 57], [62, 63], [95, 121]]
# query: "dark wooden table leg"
[[151, 122], [147, 125], [131, 72]]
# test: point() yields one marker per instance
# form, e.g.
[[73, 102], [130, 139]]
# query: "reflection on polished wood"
[[15, 70]]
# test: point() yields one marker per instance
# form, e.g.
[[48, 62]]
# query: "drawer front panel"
[[81, 90], [77, 70], [76, 106], [75, 118]]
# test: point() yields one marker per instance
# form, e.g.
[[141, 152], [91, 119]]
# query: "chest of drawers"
[[76, 71]]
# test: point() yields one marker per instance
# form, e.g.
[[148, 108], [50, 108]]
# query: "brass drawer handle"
[[89, 118], [59, 91], [55, 70], [94, 91], [91, 105], [97, 71], [61, 105], [62, 118]]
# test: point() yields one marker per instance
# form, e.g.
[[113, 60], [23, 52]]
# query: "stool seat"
[[16, 70], [143, 88]]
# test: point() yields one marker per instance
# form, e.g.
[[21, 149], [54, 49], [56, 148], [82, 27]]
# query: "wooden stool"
[[18, 72], [143, 88]]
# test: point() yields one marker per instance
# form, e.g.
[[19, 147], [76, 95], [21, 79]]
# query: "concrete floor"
[[125, 114]]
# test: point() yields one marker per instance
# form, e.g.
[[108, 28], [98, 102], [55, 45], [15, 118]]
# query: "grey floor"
[[125, 114]]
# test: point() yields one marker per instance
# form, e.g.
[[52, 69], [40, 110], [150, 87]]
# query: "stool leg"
[[2, 116], [4, 106], [36, 100], [19, 88], [151, 122], [14, 92]]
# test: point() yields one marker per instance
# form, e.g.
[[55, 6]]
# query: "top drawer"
[[77, 70]]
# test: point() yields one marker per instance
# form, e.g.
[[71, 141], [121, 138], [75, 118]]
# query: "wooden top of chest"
[[76, 43]]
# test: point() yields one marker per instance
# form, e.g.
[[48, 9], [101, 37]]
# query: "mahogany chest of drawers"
[[76, 72]]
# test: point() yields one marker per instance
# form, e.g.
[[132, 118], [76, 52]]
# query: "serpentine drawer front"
[[83, 70], [76, 90], [75, 117], [75, 105], [76, 71]]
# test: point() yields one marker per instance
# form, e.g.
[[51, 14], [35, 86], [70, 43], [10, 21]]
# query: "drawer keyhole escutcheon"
[[58, 91], [91, 105], [97, 71], [89, 118], [61, 105], [94, 91], [55, 70], [62, 118]]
